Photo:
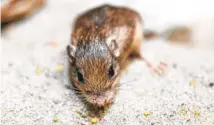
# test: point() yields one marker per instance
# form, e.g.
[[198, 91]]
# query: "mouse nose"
[[100, 99], [97, 99]]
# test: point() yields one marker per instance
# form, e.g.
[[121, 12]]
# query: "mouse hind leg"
[[136, 53]]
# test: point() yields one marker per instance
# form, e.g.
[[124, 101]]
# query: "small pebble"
[[174, 65], [188, 120], [211, 84], [55, 120], [10, 64]]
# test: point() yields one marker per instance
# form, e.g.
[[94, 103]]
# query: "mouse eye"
[[111, 71], [80, 77]]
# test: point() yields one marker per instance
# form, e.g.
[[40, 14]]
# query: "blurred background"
[[157, 15]]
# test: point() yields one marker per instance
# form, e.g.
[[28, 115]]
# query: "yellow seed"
[[94, 120], [181, 112], [197, 113], [192, 83], [38, 70], [59, 67], [147, 113]]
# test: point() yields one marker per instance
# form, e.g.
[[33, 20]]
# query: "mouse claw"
[[160, 70]]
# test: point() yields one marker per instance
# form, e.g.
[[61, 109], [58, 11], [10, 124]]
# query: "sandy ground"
[[34, 88]]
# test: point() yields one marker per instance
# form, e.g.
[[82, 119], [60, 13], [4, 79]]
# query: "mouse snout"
[[101, 98]]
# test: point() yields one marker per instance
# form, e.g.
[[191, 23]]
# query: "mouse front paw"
[[160, 69]]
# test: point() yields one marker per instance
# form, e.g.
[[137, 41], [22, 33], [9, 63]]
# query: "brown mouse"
[[104, 41]]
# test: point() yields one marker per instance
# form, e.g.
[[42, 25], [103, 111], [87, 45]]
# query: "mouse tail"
[[172, 34], [150, 34]]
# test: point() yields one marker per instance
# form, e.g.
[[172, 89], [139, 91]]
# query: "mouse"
[[104, 41]]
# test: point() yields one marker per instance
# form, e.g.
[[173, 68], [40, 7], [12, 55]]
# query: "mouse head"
[[95, 70]]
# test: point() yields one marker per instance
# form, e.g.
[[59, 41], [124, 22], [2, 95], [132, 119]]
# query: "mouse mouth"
[[100, 99]]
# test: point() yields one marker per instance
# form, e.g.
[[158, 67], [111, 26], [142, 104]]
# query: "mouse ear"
[[113, 45], [70, 51]]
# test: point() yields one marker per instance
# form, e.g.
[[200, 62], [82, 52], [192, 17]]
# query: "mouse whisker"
[[76, 90], [123, 89], [117, 85], [73, 88], [80, 93], [126, 82], [123, 85], [82, 97], [87, 102]]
